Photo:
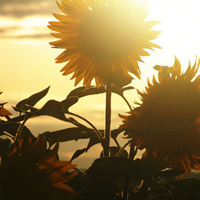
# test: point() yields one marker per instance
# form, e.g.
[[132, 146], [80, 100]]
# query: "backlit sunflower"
[[103, 39], [167, 122], [31, 172]]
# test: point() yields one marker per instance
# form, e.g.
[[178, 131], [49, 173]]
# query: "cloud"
[[24, 8], [26, 19], [34, 27], [14, 2], [17, 32]]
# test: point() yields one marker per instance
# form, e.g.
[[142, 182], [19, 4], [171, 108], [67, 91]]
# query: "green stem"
[[107, 119]]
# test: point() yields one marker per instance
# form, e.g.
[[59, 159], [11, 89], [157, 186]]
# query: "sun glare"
[[36, 21], [180, 31]]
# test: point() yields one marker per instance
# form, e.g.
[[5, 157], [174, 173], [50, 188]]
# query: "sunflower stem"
[[21, 126], [107, 119]]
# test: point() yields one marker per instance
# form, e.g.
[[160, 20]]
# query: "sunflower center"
[[173, 104], [106, 34]]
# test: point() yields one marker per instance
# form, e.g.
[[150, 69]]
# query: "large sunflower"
[[32, 173], [103, 39], [167, 121]]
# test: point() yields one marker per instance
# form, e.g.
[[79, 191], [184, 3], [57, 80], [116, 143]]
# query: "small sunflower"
[[32, 173], [103, 39], [167, 121]]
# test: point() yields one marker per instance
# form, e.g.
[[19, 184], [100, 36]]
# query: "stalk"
[[107, 119], [94, 128]]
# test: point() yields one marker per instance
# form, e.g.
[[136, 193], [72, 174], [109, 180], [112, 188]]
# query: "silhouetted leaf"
[[8, 125], [68, 135], [67, 103], [31, 101], [18, 118], [53, 108], [181, 189], [90, 189], [12, 127], [78, 153], [132, 183], [81, 91], [115, 133], [92, 142], [170, 173], [33, 110], [115, 167], [113, 151], [126, 88], [187, 185], [95, 140], [5, 145]]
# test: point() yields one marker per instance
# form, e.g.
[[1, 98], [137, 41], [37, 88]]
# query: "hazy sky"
[[27, 60]]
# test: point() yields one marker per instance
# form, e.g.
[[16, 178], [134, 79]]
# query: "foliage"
[[108, 53], [114, 177]]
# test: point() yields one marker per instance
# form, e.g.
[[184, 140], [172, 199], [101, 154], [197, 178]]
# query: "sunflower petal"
[[111, 49]]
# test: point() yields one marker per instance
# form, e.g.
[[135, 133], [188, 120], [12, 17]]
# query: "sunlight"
[[133, 129], [35, 22], [179, 26]]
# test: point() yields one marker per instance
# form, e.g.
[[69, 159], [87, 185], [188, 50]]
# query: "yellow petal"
[[81, 4], [4, 112], [72, 10], [64, 18]]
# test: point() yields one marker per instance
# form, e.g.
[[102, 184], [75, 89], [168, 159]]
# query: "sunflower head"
[[166, 123], [31, 172], [103, 39]]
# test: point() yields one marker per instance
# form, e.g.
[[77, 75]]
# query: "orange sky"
[[27, 60]]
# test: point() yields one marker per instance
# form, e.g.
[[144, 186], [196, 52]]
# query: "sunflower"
[[32, 173], [103, 39], [167, 121]]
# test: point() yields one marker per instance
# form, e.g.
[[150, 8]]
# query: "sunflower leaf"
[[115, 167], [122, 90], [115, 133], [92, 142], [189, 185], [82, 92], [12, 127], [95, 140], [7, 126], [68, 102], [170, 173], [69, 134], [78, 153], [113, 151], [53, 108], [31, 101]]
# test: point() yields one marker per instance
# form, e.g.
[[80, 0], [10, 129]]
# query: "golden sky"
[[27, 60]]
